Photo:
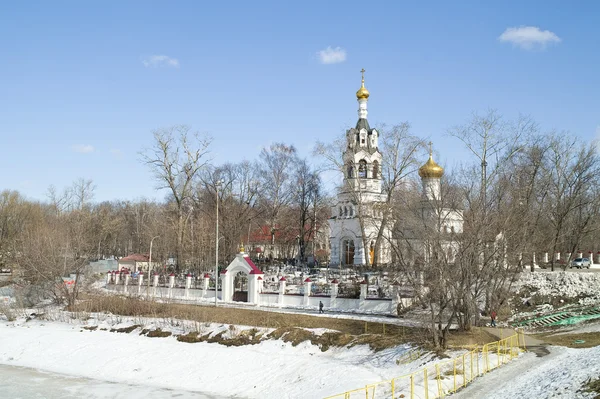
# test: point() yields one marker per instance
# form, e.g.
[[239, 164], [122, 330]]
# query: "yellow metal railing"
[[443, 378]]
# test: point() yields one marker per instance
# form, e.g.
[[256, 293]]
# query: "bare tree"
[[176, 159], [276, 166], [572, 172], [82, 193], [305, 196]]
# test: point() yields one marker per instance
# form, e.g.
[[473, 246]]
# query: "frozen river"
[[24, 383]]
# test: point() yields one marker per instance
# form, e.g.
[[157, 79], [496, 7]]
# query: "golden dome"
[[431, 169], [362, 92]]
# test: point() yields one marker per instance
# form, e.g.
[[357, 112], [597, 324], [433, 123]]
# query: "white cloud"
[[332, 55], [83, 148], [160, 60], [529, 37]]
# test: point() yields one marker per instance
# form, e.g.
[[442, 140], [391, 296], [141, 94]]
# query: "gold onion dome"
[[362, 93], [431, 169]]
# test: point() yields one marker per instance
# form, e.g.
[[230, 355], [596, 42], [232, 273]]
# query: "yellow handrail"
[[499, 348]]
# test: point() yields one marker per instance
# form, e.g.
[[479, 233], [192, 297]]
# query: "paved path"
[[483, 386], [532, 344]]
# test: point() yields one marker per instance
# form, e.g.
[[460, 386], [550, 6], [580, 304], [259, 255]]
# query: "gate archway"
[[246, 272]]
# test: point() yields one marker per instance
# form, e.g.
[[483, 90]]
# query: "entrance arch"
[[241, 265], [240, 287]]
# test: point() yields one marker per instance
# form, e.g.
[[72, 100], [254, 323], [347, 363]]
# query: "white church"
[[358, 207]]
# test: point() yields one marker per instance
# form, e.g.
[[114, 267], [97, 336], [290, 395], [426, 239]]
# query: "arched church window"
[[345, 211], [350, 171], [375, 169], [362, 169], [351, 211], [341, 212]]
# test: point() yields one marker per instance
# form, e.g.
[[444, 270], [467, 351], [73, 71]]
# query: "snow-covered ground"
[[563, 285], [271, 369], [559, 374]]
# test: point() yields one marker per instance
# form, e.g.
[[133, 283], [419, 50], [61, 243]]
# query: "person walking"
[[493, 316], [320, 307]]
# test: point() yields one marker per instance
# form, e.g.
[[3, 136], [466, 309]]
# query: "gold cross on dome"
[[362, 71], [430, 148]]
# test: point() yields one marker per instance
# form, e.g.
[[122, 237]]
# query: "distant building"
[[357, 216], [361, 192], [136, 263]]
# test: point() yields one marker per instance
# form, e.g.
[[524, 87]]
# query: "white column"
[[307, 288], [557, 256], [395, 299], [140, 282], [117, 276], [580, 254], [108, 277], [334, 293], [253, 288], [546, 257], [363, 294], [205, 285], [188, 281], [171, 280], [260, 284], [225, 287], [282, 283], [363, 289], [155, 280], [591, 257]]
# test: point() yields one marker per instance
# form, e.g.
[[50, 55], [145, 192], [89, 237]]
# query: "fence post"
[[393, 389], [426, 383], [412, 386], [366, 391], [439, 381], [498, 352], [487, 359], [471, 366], [454, 367], [464, 371], [478, 360]]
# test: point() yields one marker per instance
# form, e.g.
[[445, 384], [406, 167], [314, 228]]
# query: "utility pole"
[[217, 186]]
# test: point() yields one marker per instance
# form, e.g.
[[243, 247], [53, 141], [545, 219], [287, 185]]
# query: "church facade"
[[357, 215]]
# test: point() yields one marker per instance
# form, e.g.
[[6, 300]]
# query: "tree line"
[[520, 191]]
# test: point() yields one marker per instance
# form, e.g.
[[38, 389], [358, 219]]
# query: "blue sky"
[[83, 84]]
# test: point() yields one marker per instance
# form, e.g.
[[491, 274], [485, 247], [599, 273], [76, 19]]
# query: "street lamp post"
[[298, 248], [150, 263], [217, 186]]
